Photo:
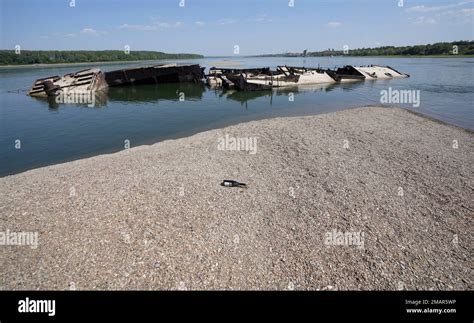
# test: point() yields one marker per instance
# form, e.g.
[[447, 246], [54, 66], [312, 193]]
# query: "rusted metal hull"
[[82, 81], [221, 77], [284, 76], [241, 84], [349, 74], [155, 74], [372, 72]]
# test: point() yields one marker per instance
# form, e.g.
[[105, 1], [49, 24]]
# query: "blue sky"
[[214, 27]]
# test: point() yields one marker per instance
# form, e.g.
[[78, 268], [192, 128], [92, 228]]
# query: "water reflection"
[[136, 94], [157, 92], [351, 86], [154, 93], [245, 97], [96, 99]]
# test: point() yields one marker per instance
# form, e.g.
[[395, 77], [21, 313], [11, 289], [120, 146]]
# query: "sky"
[[216, 27]]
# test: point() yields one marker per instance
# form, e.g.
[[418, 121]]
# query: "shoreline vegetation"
[[43, 58], [76, 64], [330, 174], [47, 57], [219, 63], [446, 49]]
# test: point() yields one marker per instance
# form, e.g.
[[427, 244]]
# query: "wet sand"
[[155, 217]]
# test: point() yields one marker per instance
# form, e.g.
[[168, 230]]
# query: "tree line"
[[437, 49], [25, 57]]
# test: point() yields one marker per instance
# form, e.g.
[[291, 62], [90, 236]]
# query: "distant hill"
[[437, 49], [9, 57]]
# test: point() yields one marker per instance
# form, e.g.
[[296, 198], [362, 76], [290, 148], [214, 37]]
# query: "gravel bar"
[[396, 186]]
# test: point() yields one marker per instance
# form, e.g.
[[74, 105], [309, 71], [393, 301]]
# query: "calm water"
[[52, 134]]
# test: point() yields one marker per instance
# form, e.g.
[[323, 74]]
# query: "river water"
[[48, 133]]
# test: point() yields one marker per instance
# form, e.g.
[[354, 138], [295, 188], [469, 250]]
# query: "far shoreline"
[[90, 63], [250, 56], [382, 56]]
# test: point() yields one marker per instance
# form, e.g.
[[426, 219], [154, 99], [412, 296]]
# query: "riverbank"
[[222, 63], [398, 185], [88, 63], [376, 56]]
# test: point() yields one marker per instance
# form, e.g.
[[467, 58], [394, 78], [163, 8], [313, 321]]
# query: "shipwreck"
[[249, 79], [94, 81], [164, 73], [265, 79], [291, 76], [80, 82], [371, 72]]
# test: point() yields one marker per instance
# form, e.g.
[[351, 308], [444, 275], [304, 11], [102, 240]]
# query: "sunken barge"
[[290, 76], [251, 79], [80, 82], [164, 73], [92, 80]]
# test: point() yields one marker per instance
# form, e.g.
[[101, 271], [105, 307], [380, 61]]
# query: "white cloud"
[[138, 27], [456, 13], [466, 13], [226, 21], [163, 25], [334, 24], [262, 19], [461, 16], [85, 31], [154, 26], [200, 23], [423, 8], [423, 21], [469, 11], [89, 31]]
